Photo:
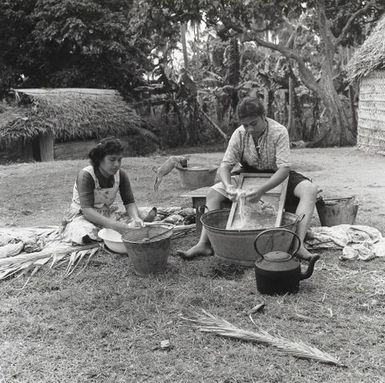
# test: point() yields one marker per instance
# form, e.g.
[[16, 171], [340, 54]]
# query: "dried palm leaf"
[[76, 258], [181, 230], [55, 254], [207, 322], [91, 254]]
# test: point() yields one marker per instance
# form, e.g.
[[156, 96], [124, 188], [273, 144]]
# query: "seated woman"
[[260, 144], [94, 193]]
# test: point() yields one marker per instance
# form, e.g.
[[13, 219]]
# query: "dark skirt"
[[295, 178]]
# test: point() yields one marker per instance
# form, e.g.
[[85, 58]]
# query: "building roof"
[[371, 55], [69, 113]]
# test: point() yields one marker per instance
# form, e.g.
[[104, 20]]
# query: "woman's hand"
[[136, 222], [133, 212], [254, 195], [120, 227], [232, 192]]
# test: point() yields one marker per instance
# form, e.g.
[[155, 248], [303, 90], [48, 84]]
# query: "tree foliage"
[[108, 44], [318, 26], [76, 43]]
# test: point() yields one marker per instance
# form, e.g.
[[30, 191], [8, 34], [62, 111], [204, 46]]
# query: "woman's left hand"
[[136, 222]]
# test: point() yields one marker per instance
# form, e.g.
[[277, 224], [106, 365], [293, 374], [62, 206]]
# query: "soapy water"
[[260, 215]]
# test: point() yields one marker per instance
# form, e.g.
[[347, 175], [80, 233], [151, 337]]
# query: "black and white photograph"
[[192, 191]]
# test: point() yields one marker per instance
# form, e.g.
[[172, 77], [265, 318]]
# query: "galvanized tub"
[[237, 246], [194, 177], [148, 248], [337, 211]]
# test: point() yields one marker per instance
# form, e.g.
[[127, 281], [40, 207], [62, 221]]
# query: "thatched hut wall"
[[371, 113], [367, 67]]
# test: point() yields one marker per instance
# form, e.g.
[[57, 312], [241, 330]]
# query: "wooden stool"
[[198, 198]]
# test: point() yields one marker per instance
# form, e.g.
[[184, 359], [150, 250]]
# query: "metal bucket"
[[196, 177], [235, 246], [148, 248], [337, 211]]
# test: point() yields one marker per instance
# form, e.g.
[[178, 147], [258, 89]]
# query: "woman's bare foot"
[[199, 250], [304, 253]]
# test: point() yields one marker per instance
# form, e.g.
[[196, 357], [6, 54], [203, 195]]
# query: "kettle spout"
[[310, 268]]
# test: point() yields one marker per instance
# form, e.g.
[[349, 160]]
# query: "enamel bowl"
[[113, 240]]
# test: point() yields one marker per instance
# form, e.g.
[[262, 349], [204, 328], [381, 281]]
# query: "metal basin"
[[197, 176], [237, 246]]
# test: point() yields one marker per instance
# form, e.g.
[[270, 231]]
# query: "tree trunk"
[[337, 122], [338, 130], [26, 150], [193, 122], [184, 45], [266, 94], [232, 78], [290, 107], [46, 142]]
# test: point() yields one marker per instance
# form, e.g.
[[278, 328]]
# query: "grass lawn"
[[106, 324]]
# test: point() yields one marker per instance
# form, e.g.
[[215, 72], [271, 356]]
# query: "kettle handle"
[[295, 236]]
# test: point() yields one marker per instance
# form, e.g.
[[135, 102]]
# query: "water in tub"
[[252, 216]]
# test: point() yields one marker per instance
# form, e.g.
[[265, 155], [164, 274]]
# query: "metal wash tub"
[[237, 246]]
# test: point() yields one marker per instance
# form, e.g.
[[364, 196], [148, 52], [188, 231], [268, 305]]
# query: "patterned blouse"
[[271, 152]]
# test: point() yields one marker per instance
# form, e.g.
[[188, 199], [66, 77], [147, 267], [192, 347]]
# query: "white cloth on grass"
[[356, 241]]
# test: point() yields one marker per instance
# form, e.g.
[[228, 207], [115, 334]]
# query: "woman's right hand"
[[254, 195], [120, 227]]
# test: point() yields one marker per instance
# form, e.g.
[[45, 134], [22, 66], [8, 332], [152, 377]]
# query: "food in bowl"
[[113, 240]]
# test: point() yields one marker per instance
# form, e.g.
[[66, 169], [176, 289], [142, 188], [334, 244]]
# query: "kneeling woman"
[[94, 193]]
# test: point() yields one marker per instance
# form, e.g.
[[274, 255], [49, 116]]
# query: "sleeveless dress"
[[74, 226]]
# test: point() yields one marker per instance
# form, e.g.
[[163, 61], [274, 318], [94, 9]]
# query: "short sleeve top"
[[86, 185], [271, 152]]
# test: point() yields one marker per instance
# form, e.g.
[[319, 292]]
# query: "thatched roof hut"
[[40, 116], [368, 67]]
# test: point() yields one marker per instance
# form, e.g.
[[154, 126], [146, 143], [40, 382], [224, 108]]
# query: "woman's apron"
[[75, 226]]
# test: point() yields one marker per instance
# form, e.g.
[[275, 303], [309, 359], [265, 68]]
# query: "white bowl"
[[113, 240]]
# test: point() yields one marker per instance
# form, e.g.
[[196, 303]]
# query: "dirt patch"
[[38, 193], [106, 324], [342, 172]]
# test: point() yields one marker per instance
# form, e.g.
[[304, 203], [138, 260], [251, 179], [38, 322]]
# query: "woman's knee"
[[306, 189], [214, 198]]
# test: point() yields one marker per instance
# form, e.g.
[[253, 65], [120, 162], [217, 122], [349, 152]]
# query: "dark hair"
[[105, 147], [250, 107]]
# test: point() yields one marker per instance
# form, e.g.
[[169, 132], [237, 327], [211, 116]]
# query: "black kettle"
[[277, 270]]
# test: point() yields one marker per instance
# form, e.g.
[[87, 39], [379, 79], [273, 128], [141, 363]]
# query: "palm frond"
[[207, 322], [56, 253], [76, 258]]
